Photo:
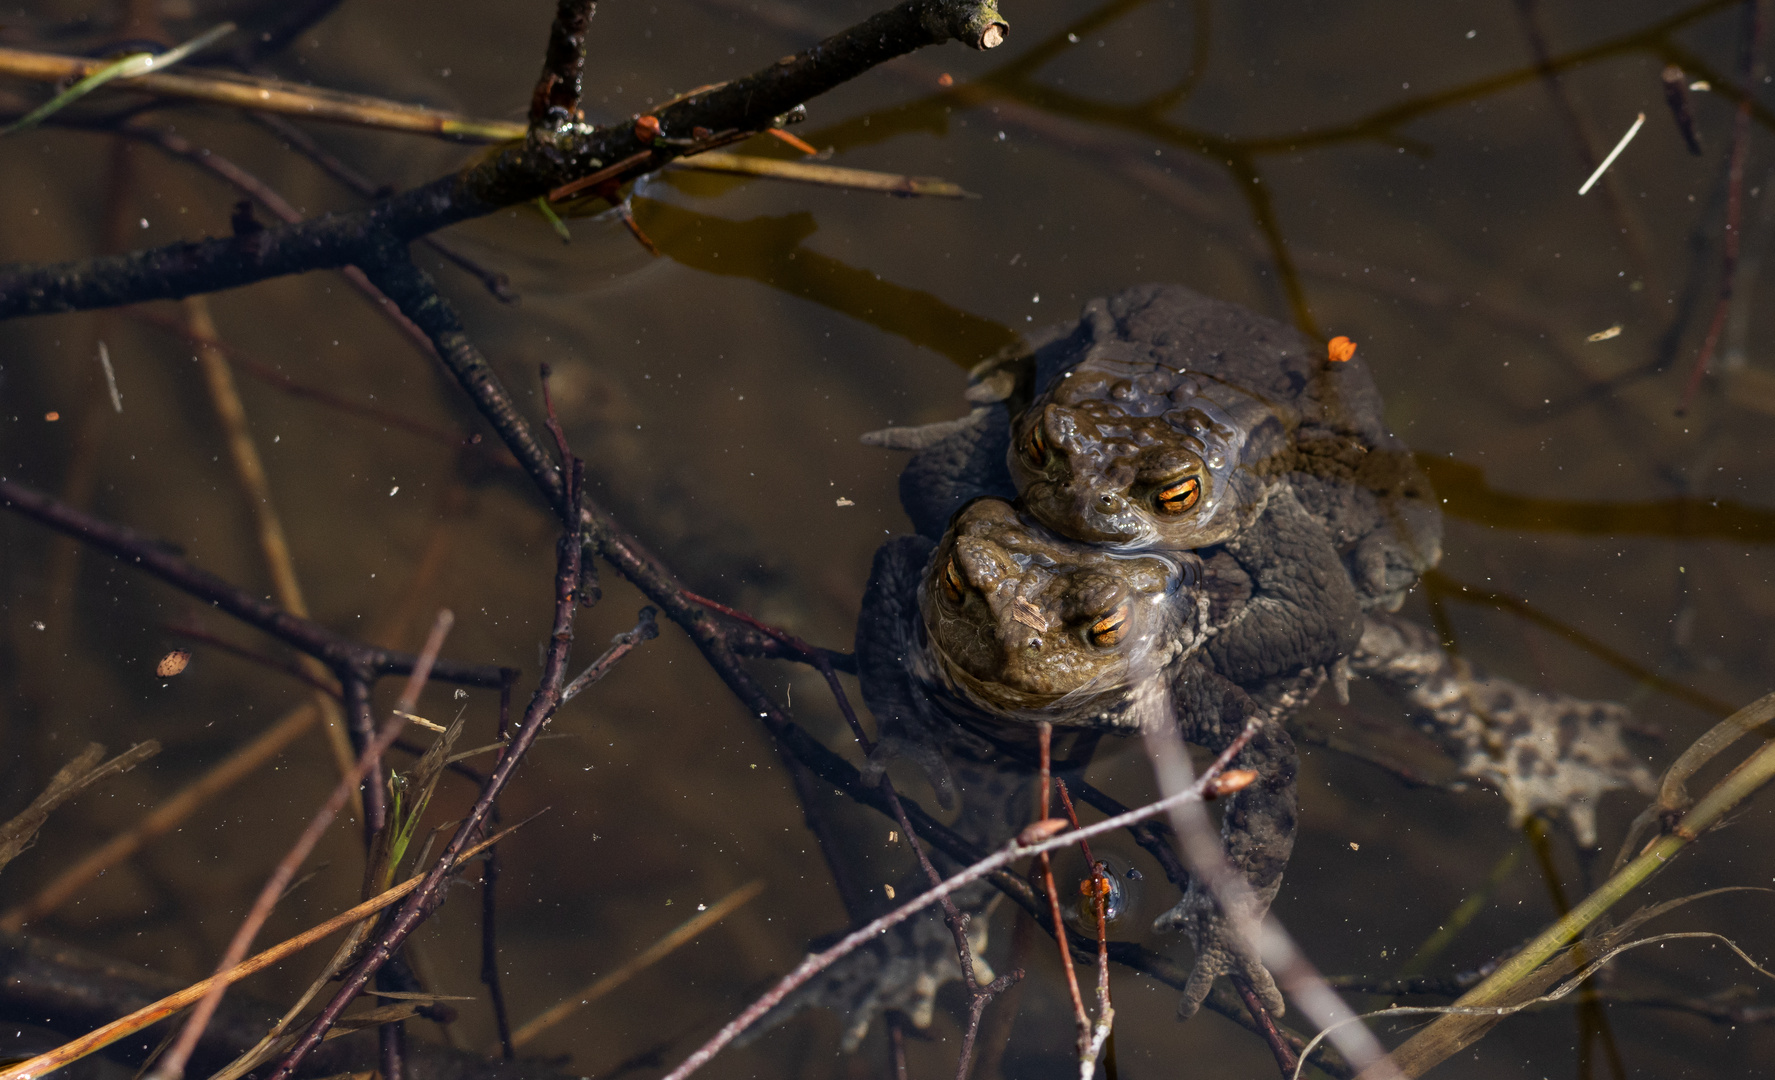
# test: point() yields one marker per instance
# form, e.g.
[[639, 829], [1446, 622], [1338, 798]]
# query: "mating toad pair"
[[1175, 512]]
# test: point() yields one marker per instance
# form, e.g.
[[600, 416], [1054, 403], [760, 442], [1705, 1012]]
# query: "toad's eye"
[[1035, 449], [1179, 497], [1109, 630], [953, 583]]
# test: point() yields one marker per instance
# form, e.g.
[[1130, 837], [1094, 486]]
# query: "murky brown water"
[[1422, 180]]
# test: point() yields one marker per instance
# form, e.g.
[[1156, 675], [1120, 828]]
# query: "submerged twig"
[[157, 558]]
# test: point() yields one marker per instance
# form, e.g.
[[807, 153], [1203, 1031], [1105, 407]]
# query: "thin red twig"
[[1097, 1035], [1047, 867], [1756, 17], [1286, 1059]]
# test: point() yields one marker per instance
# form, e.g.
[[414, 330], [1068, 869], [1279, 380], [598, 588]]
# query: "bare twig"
[[157, 558], [1676, 95], [497, 282], [1232, 894], [502, 1024], [555, 103], [266, 196], [1045, 868], [518, 173], [1094, 1037]]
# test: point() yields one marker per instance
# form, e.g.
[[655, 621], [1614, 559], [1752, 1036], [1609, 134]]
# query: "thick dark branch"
[[156, 557], [416, 295], [519, 173], [555, 104]]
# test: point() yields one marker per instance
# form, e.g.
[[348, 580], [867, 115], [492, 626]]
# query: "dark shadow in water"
[[1465, 495], [769, 250]]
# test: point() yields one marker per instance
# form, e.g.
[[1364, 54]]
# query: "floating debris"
[[845, 502], [1604, 335], [173, 663], [110, 377], [1613, 154], [1340, 349]]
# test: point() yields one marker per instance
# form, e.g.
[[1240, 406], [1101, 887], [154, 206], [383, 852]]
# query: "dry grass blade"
[[153, 1013], [826, 175], [75, 777], [655, 952], [163, 818], [249, 470], [269, 95]]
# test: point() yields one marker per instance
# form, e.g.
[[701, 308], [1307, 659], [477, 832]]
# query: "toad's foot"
[[902, 969], [1219, 951]]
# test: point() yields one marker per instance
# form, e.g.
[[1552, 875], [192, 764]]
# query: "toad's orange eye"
[[953, 582], [1179, 497], [1035, 449], [1108, 630]]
